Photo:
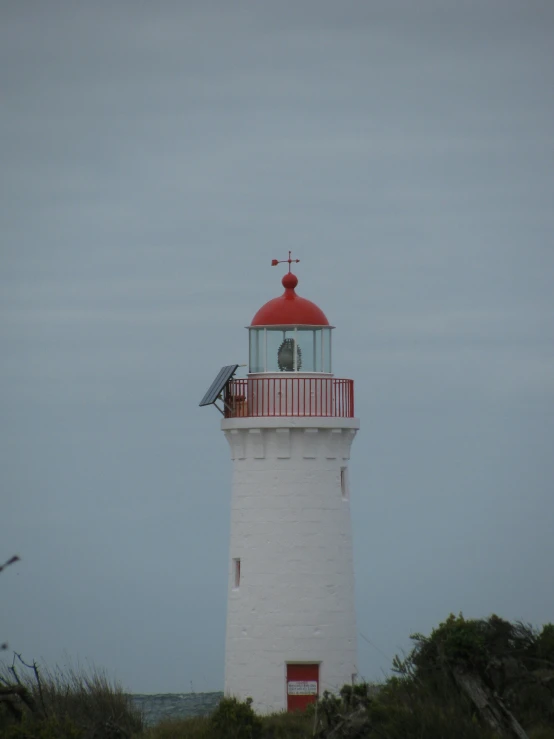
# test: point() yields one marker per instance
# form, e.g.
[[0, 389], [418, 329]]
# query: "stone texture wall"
[[291, 530]]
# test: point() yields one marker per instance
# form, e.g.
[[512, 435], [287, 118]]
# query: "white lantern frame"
[[315, 343]]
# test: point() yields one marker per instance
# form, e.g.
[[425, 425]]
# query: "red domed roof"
[[290, 309]]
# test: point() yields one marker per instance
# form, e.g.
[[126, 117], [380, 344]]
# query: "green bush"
[[512, 660], [407, 709], [283, 725], [399, 709], [234, 719]]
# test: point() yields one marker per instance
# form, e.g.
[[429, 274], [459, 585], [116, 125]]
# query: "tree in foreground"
[[469, 679]]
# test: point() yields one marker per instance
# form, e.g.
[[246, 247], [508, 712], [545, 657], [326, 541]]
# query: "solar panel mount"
[[217, 387]]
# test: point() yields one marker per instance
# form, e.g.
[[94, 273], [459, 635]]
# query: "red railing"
[[289, 396]]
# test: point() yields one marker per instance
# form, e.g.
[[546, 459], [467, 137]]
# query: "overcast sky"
[[154, 158]]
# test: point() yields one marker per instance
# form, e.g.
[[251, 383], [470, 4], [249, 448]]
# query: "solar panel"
[[215, 389]]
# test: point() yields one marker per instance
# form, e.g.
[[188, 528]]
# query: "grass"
[[275, 726], [541, 732], [68, 702], [195, 727]]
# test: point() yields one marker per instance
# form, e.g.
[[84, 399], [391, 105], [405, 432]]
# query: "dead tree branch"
[[491, 708]]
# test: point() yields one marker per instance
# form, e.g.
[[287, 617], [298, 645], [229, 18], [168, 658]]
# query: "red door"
[[302, 686]]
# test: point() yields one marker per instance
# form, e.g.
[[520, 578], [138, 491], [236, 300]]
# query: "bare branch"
[[12, 689], [21, 692], [11, 561], [20, 658]]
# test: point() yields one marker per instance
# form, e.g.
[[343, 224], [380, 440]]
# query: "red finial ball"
[[289, 281], [289, 309]]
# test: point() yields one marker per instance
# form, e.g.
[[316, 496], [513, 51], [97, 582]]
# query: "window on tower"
[[344, 482], [236, 573]]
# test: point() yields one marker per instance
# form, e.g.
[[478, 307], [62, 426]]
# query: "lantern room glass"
[[290, 349]]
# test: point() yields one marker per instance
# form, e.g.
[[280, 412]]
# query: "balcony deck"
[[289, 396]]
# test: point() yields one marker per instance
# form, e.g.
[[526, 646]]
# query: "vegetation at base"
[[513, 661], [469, 679], [235, 719], [63, 704], [275, 726]]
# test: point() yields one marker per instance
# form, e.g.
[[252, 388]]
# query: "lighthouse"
[[291, 626]]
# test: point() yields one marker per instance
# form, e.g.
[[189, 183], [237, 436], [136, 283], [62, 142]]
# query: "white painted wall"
[[290, 527]]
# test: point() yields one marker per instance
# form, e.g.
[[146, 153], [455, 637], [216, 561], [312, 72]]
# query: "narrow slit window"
[[236, 573], [344, 482]]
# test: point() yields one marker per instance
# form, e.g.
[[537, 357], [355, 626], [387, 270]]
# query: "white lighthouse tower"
[[291, 628]]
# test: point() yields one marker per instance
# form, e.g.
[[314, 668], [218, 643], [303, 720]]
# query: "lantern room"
[[290, 364], [290, 334]]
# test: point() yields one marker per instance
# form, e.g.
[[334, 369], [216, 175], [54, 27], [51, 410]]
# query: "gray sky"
[[155, 158]]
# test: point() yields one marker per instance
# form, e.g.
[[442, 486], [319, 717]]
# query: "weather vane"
[[289, 261]]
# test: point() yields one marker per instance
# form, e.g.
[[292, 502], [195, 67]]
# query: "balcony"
[[289, 396]]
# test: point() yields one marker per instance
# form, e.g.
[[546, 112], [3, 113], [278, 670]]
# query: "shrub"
[[234, 719], [283, 725]]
